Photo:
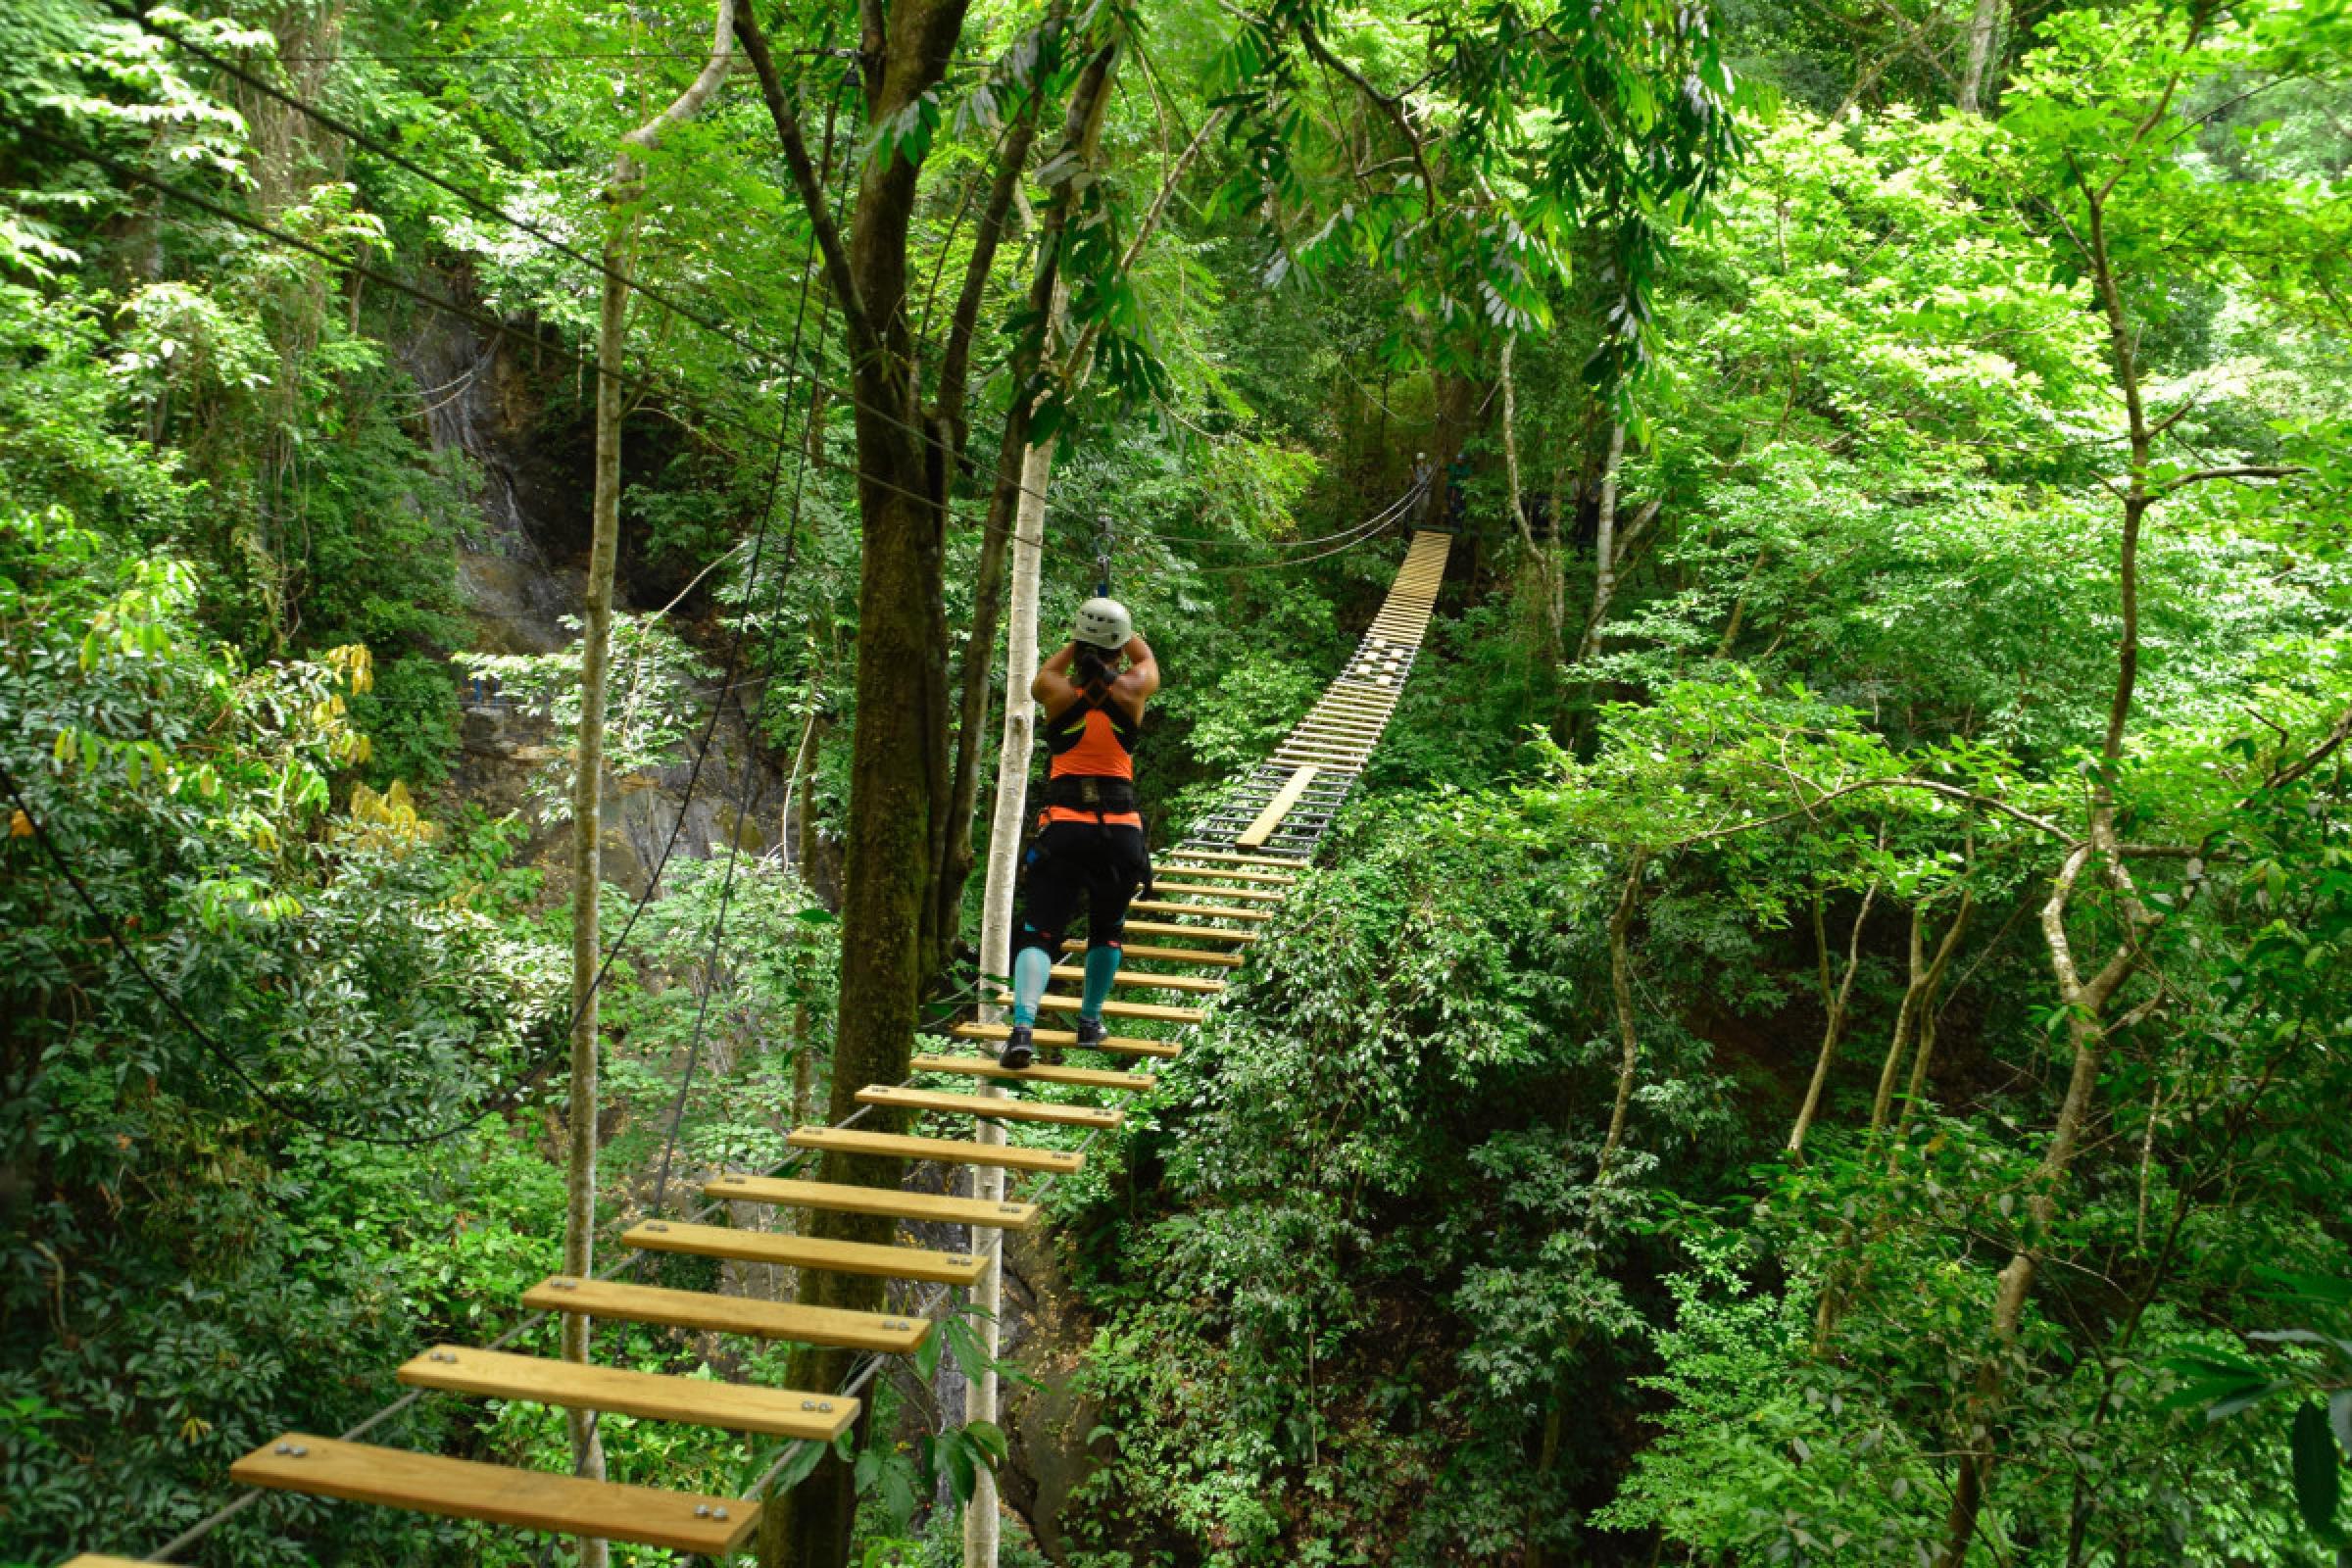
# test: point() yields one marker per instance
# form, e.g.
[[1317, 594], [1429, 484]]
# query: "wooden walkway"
[[1217, 889]]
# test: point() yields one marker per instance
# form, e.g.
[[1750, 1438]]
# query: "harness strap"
[[1090, 791]]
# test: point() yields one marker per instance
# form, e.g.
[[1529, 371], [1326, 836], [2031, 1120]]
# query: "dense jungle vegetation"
[[1824, 1035]]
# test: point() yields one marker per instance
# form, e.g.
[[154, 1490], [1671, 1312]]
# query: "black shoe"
[[1090, 1031], [1017, 1051]]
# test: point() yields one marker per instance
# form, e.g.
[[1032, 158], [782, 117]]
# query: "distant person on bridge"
[[1089, 841]]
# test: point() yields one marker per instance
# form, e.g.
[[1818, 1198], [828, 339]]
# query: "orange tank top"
[[1100, 744]]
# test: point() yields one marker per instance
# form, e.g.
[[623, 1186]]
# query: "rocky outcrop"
[[521, 569], [1046, 1427]]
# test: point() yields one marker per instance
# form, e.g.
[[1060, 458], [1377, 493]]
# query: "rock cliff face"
[[522, 569], [1045, 1427]]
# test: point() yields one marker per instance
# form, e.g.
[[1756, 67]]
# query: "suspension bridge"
[[1216, 889]]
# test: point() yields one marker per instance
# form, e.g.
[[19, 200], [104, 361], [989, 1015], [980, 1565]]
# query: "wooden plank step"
[[847, 1198], [1260, 895], [1116, 1045], [1295, 862], [1011, 1157], [805, 1251], [1157, 1011], [1198, 933], [530, 1499], [1276, 878], [694, 1402], [1205, 911], [1073, 1077], [730, 1314], [988, 1108], [1147, 979], [92, 1561], [1225, 960], [1276, 810]]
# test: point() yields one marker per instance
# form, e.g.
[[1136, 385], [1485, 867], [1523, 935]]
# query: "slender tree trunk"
[[2085, 999], [587, 860], [980, 1519], [1730, 626], [1543, 563], [1983, 23], [1605, 547], [988, 587], [1916, 1015], [1621, 991], [588, 758], [1835, 1004], [1082, 130]]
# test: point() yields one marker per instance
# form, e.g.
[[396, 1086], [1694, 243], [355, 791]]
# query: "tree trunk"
[[1916, 1015], [1082, 130], [588, 758], [1621, 990], [1543, 563], [2085, 1000], [1605, 547], [1456, 420], [980, 1519], [1833, 1004], [587, 858], [899, 752], [1983, 23]]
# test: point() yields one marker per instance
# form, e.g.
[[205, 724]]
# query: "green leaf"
[[962, 1474], [797, 1469], [988, 1439], [2319, 1474]]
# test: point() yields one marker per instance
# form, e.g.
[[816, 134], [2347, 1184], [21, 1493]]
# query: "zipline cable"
[[507, 1099], [683, 311], [584, 362], [743, 798], [659, 295]]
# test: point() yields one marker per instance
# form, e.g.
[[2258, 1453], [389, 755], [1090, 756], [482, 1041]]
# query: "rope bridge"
[[1220, 885]]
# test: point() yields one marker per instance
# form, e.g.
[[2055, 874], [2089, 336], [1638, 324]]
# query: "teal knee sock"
[[1032, 967], [1102, 964]]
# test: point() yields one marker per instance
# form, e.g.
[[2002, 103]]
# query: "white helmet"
[[1103, 623]]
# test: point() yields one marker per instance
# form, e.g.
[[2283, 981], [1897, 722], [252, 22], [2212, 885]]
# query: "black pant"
[[1101, 863]]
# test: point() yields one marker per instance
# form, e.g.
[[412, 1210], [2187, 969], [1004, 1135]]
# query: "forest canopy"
[[1821, 1034]]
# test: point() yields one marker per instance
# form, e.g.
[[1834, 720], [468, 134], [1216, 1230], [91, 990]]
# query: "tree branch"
[[807, 182], [2246, 471], [1894, 781], [963, 324], [1392, 108]]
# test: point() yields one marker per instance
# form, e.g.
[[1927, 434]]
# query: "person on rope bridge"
[[1090, 841]]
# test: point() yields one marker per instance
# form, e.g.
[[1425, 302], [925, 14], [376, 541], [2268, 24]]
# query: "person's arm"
[[1052, 685], [1142, 675]]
